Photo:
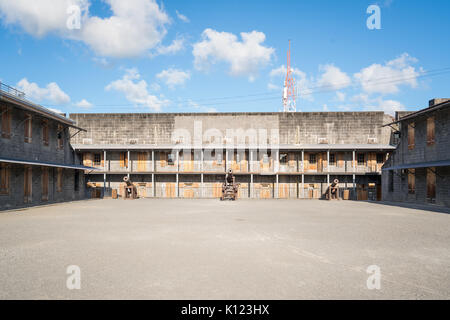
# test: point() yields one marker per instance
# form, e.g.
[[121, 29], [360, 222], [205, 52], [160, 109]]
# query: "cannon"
[[333, 190], [229, 187], [129, 190]]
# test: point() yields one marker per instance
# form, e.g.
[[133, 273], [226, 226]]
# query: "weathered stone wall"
[[421, 153], [15, 198], [294, 128], [15, 147]]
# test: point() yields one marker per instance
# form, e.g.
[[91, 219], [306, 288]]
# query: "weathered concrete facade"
[[274, 155], [418, 171], [37, 163]]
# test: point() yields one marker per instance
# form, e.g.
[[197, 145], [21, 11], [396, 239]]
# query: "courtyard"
[[207, 249]]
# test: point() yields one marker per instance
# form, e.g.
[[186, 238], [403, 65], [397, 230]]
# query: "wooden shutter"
[[431, 131], [102, 164], [431, 184], [306, 162], [124, 159], [59, 180], [4, 179], [6, 122], [60, 136], [27, 186], [28, 128], [45, 138], [411, 181], [87, 159], [44, 184], [340, 159], [163, 158], [411, 136], [142, 159]]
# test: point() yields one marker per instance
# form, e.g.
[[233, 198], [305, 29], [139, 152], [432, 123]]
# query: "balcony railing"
[[12, 91]]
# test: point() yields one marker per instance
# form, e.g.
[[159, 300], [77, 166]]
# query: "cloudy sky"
[[207, 56]]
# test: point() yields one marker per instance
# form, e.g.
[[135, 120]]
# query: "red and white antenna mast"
[[289, 91]]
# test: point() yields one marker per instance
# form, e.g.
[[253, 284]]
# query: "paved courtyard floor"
[[207, 249]]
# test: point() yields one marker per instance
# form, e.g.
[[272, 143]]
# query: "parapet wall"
[[292, 128]]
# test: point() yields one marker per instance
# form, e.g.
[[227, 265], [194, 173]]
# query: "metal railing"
[[12, 91]]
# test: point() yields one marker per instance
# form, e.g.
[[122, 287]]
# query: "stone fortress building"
[[46, 157], [274, 155], [37, 164], [419, 169]]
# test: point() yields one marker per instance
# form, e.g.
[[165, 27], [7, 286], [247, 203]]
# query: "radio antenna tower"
[[289, 91]]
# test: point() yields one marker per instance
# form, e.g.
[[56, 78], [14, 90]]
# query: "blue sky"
[[202, 56]]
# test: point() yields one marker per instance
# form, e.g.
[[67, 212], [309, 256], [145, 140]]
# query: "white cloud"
[[135, 26], [176, 46], [52, 93], [302, 81], [282, 71], [182, 17], [360, 98], [135, 90], [271, 86], [83, 104], [39, 17], [387, 78], [245, 57], [194, 105], [388, 106], [333, 78], [173, 77], [340, 96]]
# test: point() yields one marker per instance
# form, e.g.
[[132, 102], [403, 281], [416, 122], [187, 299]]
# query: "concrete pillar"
[[303, 186], [177, 194], [153, 174], [129, 161], [328, 167], [251, 186], [354, 176], [303, 160], [277, 195], [153, 185], [250, 162], [153, 161], [104, 184], [353, 161], [226, 160], [104, 169], [178, 170], [202, 193]]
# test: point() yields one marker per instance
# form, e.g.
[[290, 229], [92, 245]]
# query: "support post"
[[354, 176], [303, 160], [202, 168], [328, 167], [277, 195], [104, 174], [303, 186], [226, 159], [153, 174], [153, 185], [130, 164], [251, 186], [177, 194]]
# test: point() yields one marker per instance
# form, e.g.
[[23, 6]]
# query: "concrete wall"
[[294, 128]]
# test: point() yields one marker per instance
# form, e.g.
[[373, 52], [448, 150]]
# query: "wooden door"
[[44, 184]]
